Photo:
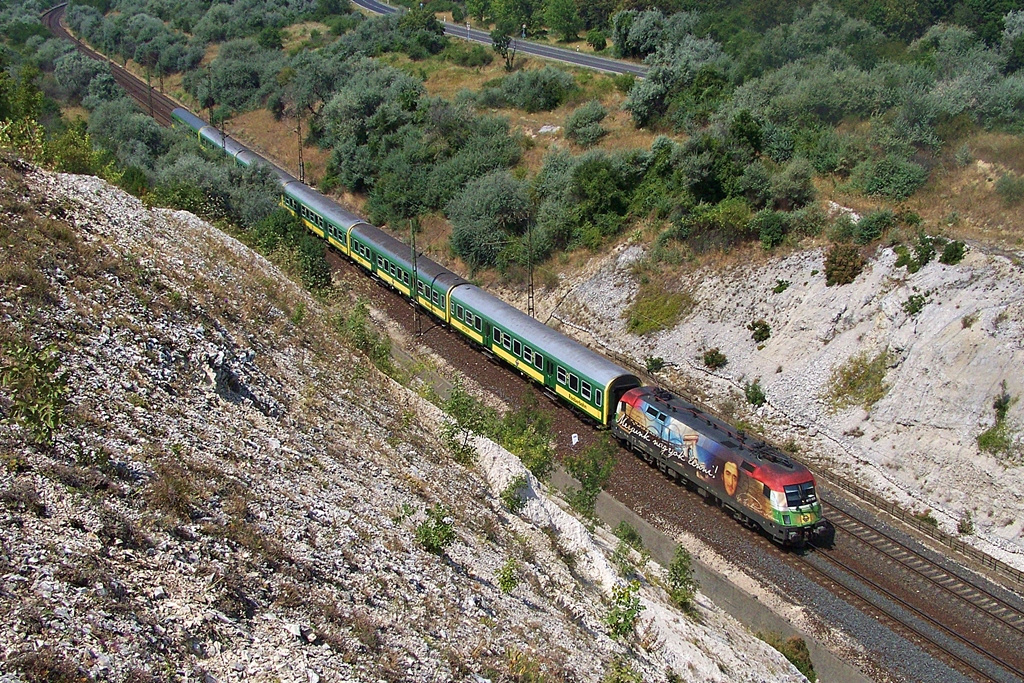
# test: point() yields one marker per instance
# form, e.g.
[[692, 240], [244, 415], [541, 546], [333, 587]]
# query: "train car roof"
[[771, 465], [249, 157], [188, 118], [541, 337], [322, 205], [401, 254]]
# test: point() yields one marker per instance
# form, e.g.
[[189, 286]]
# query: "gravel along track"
[[831, 596]]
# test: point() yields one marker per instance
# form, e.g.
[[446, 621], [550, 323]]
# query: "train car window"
[[496, 333], [528, 354], [441, 302], [478, 324], [561, 376], [585, 391], [598, 397], [380, 261], [574, 383], [517, 348], [436, 298], [459, 311], [506, 341]]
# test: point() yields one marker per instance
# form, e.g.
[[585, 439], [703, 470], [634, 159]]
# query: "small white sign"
[[575, 439]]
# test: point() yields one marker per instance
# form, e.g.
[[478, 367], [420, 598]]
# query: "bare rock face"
[[952, 334], [235, 494]]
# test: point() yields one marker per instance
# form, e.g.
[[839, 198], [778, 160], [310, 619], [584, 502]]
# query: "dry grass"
[[298, 34], [279, 142]]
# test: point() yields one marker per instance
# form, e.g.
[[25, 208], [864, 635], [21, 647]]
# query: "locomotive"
[[756, 482]]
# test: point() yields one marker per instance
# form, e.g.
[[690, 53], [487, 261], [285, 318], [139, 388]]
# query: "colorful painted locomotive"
[[758, 483]]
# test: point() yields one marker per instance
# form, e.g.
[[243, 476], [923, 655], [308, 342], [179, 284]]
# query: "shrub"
[[870, 227], [965, 526], [655, 309], [620, 671], [1010, 188], [592, 468], [953, 253], [682, 587], [628, 533], [760, 329], [625, 610], [889, 177], [859, 381], [915, 303], [526, 432], [780, 286], [843, 264], [437, 531], [770, 227], [583, 126], [795, 650], [754, 393], [538, 90], [597, 39], [654, 363], [714, 359], [997, 438], [38, 391], [358, 331], [508, 576], [512, 496]]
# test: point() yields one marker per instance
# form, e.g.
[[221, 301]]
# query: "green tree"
[[682, 587], [487, 215], [504, 45], [592, 468], [625, 610], [563, 19]]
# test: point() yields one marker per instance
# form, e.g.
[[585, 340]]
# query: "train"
[[760, 485]]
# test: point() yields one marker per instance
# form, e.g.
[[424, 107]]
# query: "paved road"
[[583, 59]]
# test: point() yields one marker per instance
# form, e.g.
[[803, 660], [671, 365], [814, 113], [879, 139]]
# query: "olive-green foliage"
[[890, 177], [535, 90], [754, 393], [592, 468], [621, 671], [583, 125], [795, 650], [654, 363], [860, 381], [843, 263], [526, 433], [437, 531], [508, 576], [760, 330], [714, 359], [1010, 188], [682, 587], [597, 39], [313, 267], [464, 418], [998, 438], [953, 253], [38, 391], [770, 226], [655, 309], [873, 225], [358, 329], [471, 56], [512, 496], [624, 611], [915, 303], [488, 217], [965, 525], [628, 533]]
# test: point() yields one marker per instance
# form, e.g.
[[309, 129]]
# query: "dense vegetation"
[[757, 102]]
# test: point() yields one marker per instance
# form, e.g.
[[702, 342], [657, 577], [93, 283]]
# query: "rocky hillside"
[[944, 340], [234, 494]]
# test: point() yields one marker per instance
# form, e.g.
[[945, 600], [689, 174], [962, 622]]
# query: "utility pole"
[[302, 164], [414, 290], [529, 266]]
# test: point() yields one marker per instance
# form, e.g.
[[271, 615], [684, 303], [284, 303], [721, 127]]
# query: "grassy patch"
[[860, 381], [656, 309], [795, 650]]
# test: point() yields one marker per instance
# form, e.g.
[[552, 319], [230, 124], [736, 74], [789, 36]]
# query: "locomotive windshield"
[[800, 494]]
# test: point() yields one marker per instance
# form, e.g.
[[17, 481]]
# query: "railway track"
[[926, 627], [153, 102]]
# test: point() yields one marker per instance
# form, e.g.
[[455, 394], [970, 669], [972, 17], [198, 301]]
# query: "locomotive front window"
[[800, 494]]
